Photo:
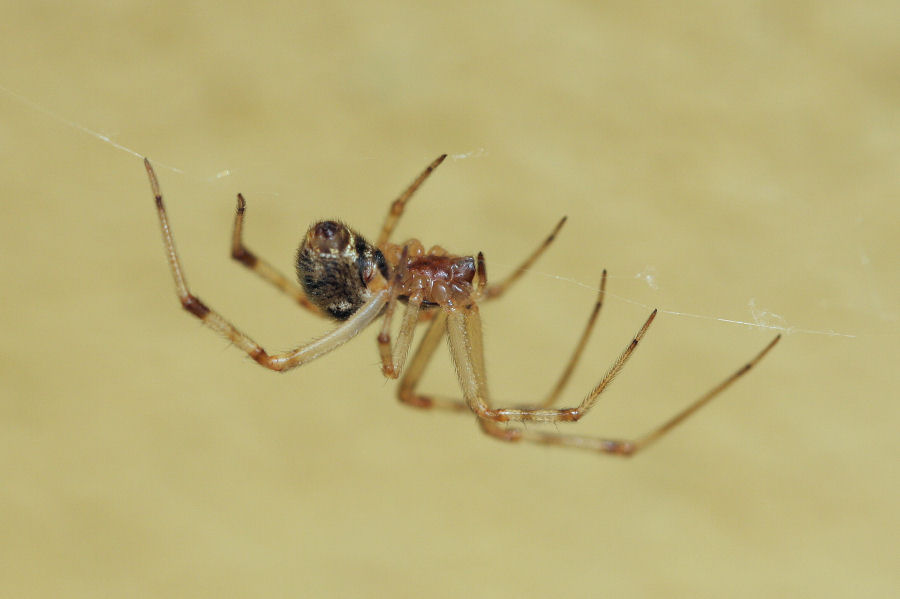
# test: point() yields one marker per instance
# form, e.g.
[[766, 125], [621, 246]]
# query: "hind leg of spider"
[[464, 333], [407, 392], [515, 434], [242, 254], [398, 205], [279, 361], [409, 383], [621, 447]]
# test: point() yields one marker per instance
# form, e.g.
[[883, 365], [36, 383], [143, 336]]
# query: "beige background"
[[743, 154]]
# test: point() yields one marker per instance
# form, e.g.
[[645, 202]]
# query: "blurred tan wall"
[[725, 161]]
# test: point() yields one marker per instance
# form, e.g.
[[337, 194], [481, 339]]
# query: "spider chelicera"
[[346, 278]]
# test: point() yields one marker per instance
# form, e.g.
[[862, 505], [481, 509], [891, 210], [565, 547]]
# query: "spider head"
[[335, 265]]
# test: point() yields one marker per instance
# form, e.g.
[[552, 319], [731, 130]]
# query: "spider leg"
[[393, 215], [579, 347], [463, 329], [393, 357], [262, 268], [409, 383], [407, 392], [420, 359], [622, 447], [497, 289], [704, 399], [368, 312]]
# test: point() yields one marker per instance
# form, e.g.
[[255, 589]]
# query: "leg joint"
[[244, 256], [195, 306]]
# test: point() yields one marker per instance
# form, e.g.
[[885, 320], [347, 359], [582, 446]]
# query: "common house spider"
[[346, 278]]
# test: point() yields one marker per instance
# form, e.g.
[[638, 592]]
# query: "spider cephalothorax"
[[345, 277], [442, 280]]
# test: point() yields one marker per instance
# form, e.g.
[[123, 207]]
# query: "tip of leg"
[[154, 184], [767, 348], [556, 229]]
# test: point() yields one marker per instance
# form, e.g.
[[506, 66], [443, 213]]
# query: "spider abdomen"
[[335, 265]]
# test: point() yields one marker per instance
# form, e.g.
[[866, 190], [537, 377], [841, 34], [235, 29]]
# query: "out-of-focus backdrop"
[[728, 163]]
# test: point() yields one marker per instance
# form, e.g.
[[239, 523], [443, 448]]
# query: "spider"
[[346, 278]]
